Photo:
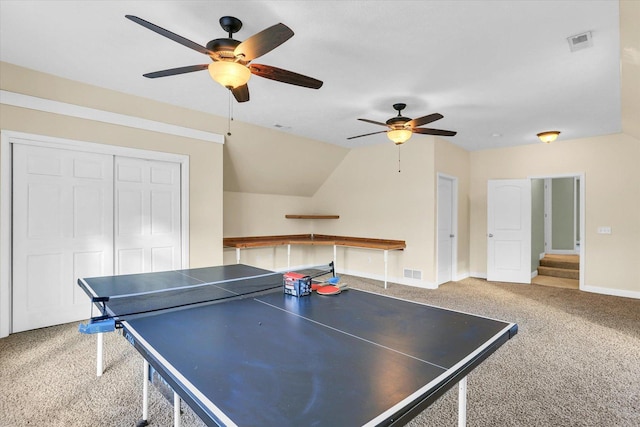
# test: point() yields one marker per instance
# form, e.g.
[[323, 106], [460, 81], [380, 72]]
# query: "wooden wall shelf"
[[312, 216]]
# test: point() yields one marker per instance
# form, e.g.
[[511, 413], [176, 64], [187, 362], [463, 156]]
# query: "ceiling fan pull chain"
[[229, 116], [399, 158]]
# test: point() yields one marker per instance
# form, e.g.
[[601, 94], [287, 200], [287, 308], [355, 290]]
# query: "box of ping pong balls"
[[296, 284]]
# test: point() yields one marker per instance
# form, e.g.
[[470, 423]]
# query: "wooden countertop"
[[313, 239]]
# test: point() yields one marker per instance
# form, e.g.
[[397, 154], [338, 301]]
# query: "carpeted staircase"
[[559, 270], [565, 266]]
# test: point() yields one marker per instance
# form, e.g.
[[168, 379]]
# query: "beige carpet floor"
[[574, 362]]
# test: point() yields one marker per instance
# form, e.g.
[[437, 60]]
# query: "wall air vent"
[[580, 41], [412, 274]]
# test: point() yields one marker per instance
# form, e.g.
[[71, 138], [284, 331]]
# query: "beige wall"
[[612, 183], [205, 158], [372, 199], [251, 214]]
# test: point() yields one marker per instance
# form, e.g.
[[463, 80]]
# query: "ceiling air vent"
[[580, 41]]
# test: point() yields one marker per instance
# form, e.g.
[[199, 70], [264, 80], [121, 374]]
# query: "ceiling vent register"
[[580, 41]]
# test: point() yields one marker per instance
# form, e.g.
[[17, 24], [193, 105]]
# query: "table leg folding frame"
[[462, 402], [99, 354], [146, 379]]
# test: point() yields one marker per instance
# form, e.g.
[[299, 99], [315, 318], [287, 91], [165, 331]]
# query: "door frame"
[[548, 220], [7, 138], [581, 206], [454, 225]]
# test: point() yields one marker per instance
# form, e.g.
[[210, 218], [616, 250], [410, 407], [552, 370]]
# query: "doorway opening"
[[557, 230]]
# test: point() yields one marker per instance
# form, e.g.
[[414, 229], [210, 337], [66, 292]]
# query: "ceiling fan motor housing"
[[223, 48], [398, 121]]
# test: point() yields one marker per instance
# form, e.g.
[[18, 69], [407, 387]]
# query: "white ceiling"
[[490, 67]]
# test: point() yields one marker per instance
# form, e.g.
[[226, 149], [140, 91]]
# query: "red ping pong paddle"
[[328, 290], [331, 289]]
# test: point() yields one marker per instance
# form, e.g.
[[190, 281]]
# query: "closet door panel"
[[148, 236], [62, 230]]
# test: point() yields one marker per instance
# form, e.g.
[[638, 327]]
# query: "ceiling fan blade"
[[168, 34], [284, 76], [241, 93], [367, 134], [439, 132], [424, 120], [263, 42], [174, 71], [374, 122]]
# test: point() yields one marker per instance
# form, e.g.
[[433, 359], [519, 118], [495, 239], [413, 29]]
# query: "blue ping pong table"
[[239, 351]]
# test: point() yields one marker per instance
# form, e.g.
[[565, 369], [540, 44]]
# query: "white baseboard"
[[390, 280], [594, 289], [612, 292], [461, 276]]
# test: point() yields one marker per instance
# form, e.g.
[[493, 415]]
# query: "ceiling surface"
[[499, 71]]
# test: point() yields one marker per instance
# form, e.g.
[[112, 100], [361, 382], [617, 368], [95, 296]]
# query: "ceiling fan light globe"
[[399, 136], [229, 74]]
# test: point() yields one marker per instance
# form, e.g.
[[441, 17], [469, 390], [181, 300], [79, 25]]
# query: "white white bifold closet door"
[[74, 217], [62, 229], [147, 220]]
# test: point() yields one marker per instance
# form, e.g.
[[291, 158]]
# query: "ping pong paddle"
[[333, 280], [328, 290], [332, 289], [330, 281]]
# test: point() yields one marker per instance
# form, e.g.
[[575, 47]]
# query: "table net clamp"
[[102, 323]]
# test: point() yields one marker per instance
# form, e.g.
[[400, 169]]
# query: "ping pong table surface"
[[272, 359]]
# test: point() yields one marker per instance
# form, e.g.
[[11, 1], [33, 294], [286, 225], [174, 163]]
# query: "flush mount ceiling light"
[[548, 136]]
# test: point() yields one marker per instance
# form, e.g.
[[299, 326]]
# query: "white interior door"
[[446, 228], [62, 230], [148, 233], [509, 230]]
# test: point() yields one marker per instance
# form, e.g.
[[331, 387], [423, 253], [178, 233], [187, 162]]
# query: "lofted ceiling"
[[499, 71]]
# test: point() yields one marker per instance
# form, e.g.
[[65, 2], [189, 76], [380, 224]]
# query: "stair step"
[[559, 272], [560, 263], [557, 282]]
